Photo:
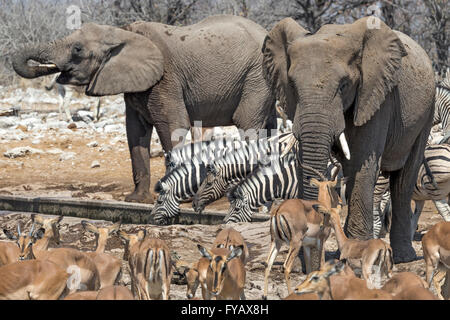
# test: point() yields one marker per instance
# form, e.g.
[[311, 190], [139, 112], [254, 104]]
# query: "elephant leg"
[[415, 216], [402, 187], [139, 136], [359, 223], [443, 209]]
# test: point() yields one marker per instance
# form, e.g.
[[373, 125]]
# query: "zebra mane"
[[445, 83]]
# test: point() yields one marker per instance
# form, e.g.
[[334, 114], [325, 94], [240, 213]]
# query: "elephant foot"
[[404, 254], [140, 198]]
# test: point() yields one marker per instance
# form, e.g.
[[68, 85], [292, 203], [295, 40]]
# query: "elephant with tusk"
[[366, 94], [170, 76]]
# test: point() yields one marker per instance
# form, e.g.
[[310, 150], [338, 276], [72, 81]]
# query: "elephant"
[[365, 82], [171, 76]]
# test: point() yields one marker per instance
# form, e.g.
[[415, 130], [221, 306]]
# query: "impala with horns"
[[225, 277], [73, 261], [298, 224]]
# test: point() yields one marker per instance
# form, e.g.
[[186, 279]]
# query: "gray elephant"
[[370, 84], [171, 76]]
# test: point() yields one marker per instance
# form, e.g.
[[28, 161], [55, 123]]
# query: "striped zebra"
[[442, 106], [438, 158], [181, 183], [224, 173], [264, 184], [204, 151]]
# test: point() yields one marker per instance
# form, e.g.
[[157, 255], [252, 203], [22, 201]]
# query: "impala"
[[436, 252], [346, 286], [225, 276], [296, 223], [109, 267], [368, 252], [152, 269]]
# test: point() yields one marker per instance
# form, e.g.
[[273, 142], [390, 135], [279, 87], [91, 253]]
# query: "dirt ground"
[[46, 174]]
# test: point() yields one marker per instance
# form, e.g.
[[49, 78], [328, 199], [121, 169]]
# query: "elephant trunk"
[[39, 54], [316, 136]]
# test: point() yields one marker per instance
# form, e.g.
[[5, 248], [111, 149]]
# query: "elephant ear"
[[381, 57], [276, 60], [133, 64]]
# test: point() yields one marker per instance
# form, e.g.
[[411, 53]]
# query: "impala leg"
[[274, 249], [294, 248], [307, 256]]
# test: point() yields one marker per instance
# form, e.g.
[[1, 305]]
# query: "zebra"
[[438, 158], [181, 183], [224, 173], [266, 183], [442, 106], [201, 150], [65, 93]]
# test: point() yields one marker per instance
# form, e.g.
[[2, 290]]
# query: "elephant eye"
[[343, 85], [77, 48]]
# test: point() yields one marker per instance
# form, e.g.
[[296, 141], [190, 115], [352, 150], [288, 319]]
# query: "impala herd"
[[30, 270]]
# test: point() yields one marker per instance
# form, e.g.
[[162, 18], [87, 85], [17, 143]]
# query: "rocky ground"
[[41, 155]]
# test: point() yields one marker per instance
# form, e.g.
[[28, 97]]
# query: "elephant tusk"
[[344, 145], [51, 65], [291, 141]]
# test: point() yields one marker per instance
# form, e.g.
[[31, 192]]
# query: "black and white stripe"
[[438, 158], [224, 173], [442, 104], [277, 180]]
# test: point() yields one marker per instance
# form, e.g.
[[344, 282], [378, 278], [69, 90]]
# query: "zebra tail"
[[429, 173]]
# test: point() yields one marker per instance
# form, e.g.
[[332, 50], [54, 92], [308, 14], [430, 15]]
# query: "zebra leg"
[[415, 216], [443, 208], [66, 105]]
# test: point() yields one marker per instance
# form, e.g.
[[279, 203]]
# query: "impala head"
[[318, 281], [131, 240], [50, 225], [25, 241], [192, 280], [333, 213], [102, 233], [218, 261]]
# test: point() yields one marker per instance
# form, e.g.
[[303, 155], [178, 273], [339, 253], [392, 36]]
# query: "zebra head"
[[166, 205], [240, 209], [212, 188]]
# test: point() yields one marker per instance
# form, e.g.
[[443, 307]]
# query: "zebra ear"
[[160, 187], [211, 169]]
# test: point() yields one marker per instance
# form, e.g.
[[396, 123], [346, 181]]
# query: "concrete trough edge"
[[134, 213]]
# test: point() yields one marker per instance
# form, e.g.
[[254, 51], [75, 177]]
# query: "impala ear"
[[125, 236], [205, 252], [320, 208], [89, 227], [235, 252], [114, 228], [36, 218], [133, 62], [314, 182], [9, 235], [39, 234], [381, 57], [141, 234]]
